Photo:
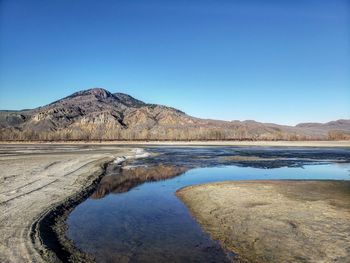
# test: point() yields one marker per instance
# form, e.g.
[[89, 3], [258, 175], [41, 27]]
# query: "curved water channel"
[[135, 216]]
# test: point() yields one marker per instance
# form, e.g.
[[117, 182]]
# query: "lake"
[[135, 216]]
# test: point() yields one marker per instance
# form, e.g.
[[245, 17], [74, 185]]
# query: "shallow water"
[[134, 215]]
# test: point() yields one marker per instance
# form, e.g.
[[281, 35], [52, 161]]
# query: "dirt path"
[[33, 181], [276, 221]]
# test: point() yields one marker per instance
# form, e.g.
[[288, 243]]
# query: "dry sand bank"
[[202, 143], [35, 180], [275, 221]]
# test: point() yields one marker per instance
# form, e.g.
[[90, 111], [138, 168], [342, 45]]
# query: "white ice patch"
[[139, 153], [119, 160]]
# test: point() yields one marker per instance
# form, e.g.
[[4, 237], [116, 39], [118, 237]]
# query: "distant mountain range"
[[97, 114]]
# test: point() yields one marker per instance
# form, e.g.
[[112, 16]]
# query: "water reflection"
[[122, 179]]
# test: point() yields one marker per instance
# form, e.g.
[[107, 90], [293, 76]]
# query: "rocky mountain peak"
[[102, 95], [96, 92]]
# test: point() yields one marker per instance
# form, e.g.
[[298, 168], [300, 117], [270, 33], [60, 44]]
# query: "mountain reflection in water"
[[121, 180]]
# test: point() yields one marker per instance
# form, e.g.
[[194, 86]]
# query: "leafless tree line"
[[111, 132]]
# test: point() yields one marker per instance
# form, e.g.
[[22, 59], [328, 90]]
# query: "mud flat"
[[36, 182], [275, 221]]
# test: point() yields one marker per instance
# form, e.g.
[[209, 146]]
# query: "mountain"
[[332, 125], [97, 114]]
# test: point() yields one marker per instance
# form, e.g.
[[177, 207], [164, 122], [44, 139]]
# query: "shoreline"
[[50, 227], [190, 143], [40, 190]]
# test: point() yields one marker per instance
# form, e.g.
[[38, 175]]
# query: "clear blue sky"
[[272, 61]]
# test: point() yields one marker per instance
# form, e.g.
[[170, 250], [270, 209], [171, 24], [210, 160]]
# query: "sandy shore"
[[36, 179], [206, 143], [276, 221]]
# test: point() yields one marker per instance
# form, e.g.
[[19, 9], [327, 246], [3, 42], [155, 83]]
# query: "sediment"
[[275, 221], [37, 193]]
